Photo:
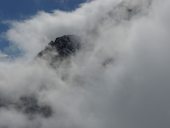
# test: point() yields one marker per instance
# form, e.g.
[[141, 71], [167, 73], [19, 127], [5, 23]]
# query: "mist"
[[119, 78]]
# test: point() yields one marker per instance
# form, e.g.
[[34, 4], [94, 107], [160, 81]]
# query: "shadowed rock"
[[28, 105], [61, 48]]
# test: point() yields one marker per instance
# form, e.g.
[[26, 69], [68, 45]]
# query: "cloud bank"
[[119, 79]]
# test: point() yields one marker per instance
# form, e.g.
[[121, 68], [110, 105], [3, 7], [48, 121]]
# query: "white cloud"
[[3, 56], [131, 91]]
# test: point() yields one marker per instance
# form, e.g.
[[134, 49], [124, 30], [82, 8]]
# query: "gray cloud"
[[120, 78]]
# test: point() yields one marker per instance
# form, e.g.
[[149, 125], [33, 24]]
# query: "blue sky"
[[22, 9]]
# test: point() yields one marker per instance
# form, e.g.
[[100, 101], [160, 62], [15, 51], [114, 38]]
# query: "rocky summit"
[[63, 47]]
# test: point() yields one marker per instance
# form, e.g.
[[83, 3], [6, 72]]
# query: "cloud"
[[3, 56], [120, 78]]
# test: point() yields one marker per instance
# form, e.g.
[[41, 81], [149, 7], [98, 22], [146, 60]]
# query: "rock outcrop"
[[62, 48], [28, 105]]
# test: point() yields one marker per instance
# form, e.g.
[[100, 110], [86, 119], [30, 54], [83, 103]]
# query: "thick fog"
[[120, 78]]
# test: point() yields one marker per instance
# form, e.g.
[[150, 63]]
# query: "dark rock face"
[[28, 105], [62, 47]]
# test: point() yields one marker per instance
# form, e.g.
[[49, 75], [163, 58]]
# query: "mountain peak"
[[61, 48]]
